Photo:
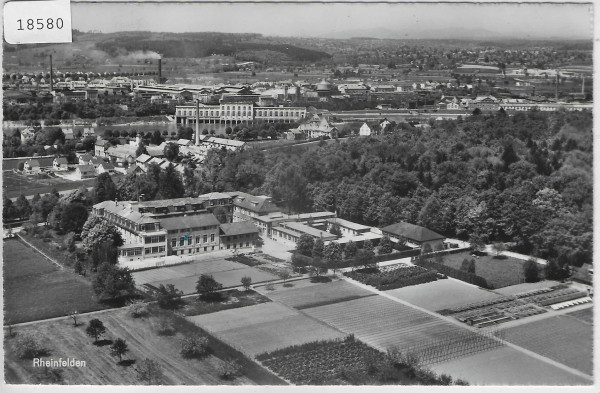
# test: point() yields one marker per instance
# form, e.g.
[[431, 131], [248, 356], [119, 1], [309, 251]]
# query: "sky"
[[335, 20]]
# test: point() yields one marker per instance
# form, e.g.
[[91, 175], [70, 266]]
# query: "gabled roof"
[[257, 204], [85, 157], [412, 232], [33, 163], [238, 228], [86, 168], [143, 158], [60, 160], [107, 166]]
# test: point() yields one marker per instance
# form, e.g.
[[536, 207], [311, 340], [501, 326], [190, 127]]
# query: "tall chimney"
[[556, 89], [159, 70], [197, 122], [51, 83], [583, 85]]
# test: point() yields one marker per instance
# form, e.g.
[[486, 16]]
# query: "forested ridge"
[[525, 180]]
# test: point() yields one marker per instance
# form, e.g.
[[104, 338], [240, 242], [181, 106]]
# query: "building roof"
[[172, 202], [86, 168], [60, 160], [183, 142], [257, 204], [155, 151], [107, 166], [298, 227], [85, 157], [412, 232], [200, 220], [226, 142], [143, 158], [238, 228], [125, 210], [348, 224], [33, 163]]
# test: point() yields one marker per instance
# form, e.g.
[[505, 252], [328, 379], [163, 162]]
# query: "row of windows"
[[154, 239], [234, 237], [154, 250], [185, 240], [191, 250], [131, 252], [284, 235], [241, 245]]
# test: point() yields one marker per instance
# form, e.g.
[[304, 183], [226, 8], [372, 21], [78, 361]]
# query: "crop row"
[[393, 278]]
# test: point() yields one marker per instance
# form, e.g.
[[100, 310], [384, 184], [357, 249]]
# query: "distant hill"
[[195, 45]]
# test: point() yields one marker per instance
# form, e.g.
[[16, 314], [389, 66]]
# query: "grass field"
[[14, 184], [585, 315], [497, 272], [562, 338], [525, 287], [231, 299], [507, 366], [316, 293], [264, 327], [35, 288], [65, 340], [441, 294], [185, 277]]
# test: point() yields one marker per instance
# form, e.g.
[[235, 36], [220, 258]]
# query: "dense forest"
[[525, 180], [205, 44]]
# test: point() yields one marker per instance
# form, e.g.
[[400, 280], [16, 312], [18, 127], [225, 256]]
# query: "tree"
[[141, 149], [73, 315], [9, 211], [221, 213], [171, 151], [385, 245], [22, 207], [305, 245], [332, 255], [317, 267], [365, 258], [207, 287], [468, 265], [169, 297], [246, 282], [119, 348], [350, 250], [105, 252], [318, 247], [95, 329], [101, 232], [285, 275], [113, 284], [170, 184], [499, 247], [530, 271], [150, 372], [29, 346], [335, 230], [104, 189]]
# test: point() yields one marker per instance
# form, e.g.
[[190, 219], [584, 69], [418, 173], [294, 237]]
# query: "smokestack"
[[556, 88], [197, 122], [51, 83], [159, 70]]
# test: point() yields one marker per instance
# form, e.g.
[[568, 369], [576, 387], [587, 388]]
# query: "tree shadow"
[[127, 362], [102, 343]]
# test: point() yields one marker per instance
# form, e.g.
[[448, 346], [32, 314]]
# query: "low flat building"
[[404, 231]]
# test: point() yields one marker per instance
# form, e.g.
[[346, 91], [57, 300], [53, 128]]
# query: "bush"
[[29, 346], [138, 309], [165, 326], [229, 369], [194, 346]]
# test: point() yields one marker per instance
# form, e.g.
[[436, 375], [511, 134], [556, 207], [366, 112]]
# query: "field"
[[264, 327], [507, 366], [562, 338], [586, 315], [497, 272], [185, 277], [525, 287], [35, 288], [14, 184], [231, 299], [392, 277], [65, 340], [305, 294], [441, 294], [384, 323]]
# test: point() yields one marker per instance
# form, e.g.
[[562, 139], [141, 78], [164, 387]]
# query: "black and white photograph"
[[299, 194]]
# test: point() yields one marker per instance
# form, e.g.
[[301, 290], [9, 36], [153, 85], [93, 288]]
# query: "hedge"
[[421, 278], [452, 272], [304, 260]]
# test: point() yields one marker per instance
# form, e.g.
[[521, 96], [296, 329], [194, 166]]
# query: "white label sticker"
[[37, 22]]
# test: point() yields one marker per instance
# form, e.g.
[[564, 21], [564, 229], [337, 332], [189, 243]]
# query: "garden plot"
[[561, 338], [318, 294], [441, 294], [383, 323], [264, 327], [507, 366]]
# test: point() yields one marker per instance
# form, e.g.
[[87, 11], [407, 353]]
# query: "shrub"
[[194, 346], [229, 369], [137, 309], [29, 346], [165, 326]]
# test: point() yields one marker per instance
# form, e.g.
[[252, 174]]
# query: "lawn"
[[507, 366], [231, 299], [264, 327], [35, 288], [586, 315], [564, 339], [64, 340], [14, 184], [497, 272], [303, 294], [441, 294]]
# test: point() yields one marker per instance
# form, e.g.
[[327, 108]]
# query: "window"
[[198, 239], [241, 244], [247, 244], [174, 242], [228, 246], [212, 237], [148, 250], [161, 249], [190, 251], [204, 238], [205, 248], [189, 241], [213, 248], [154, 249]]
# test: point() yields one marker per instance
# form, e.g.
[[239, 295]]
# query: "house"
[[184, 142], [137, 169], [290, 232], [247, 206], [100, 148], [238, 235], [143, 159], [294, 135], [85, 159], [85, 171], [418, 235], [32, 165], [347, 228], [105, 167], [27, 134], [60, 164], [485, 103], [317, 127], [364, 130]]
